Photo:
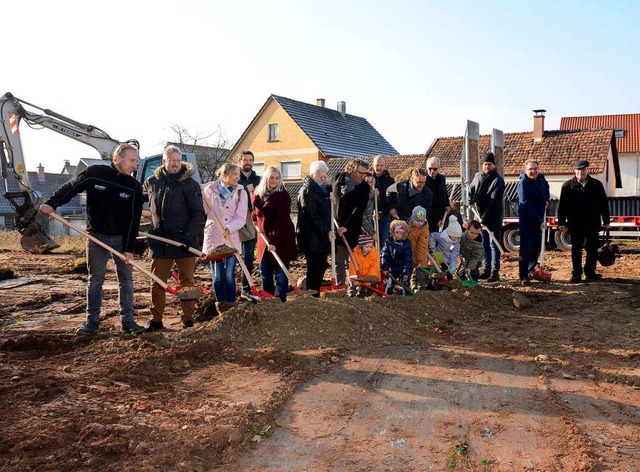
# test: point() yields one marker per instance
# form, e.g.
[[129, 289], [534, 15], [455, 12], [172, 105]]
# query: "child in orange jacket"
[[368, 259], [419, 237]]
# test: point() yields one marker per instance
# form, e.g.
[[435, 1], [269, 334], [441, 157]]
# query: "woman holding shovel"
[[228, 200], [272, 215], [314, 232]]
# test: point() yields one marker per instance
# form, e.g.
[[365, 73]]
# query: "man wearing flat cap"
[[486, 192], [583, 210]]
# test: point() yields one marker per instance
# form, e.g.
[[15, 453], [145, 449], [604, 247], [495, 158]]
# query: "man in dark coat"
[[405, 195], [114, 206], [177, 213], [437, 183], [583, 209], [533, 199], [487, 193], [351, 193], [249, 180], [383, 181], [313, 230]]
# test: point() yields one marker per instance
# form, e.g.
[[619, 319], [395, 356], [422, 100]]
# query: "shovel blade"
[[35, 240]]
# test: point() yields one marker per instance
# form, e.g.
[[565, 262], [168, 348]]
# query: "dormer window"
[[274, 132], [619, 133]]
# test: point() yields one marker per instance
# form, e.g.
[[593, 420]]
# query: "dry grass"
[[10, 240]]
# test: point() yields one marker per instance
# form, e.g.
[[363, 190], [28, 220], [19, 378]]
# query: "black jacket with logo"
[[114, 202]]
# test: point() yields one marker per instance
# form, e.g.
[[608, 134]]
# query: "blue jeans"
[[530, 244], [491, 251], [282, 282], [97, 258], [224, 279], [383, 230], [248, 254]]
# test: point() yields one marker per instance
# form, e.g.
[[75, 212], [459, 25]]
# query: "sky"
[[416, 70]]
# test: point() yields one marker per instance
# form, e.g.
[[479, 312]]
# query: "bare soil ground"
[[437, 381]]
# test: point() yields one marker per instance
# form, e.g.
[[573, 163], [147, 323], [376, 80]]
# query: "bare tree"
[[211, 150]]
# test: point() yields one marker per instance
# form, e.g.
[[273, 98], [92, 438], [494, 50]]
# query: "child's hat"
[[365, 239], [454, 229], [419, 214]]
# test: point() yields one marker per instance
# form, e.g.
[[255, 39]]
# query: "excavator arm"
[[22, 196]]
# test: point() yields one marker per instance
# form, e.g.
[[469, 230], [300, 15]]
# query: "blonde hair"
[[226, 169], [263, 186]]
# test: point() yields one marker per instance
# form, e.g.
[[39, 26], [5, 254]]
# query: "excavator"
[[17, 189]]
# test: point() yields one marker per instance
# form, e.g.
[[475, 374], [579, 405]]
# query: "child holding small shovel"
[[396, 261]]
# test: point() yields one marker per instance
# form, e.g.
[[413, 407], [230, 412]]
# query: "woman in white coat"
[[228, 200]]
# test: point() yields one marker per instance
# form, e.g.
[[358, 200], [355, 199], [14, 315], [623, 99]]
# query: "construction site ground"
[[458, 379]]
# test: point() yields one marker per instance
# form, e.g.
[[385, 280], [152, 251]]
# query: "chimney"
[[320, 102], [40, 172], [342, 108], [538, 125]]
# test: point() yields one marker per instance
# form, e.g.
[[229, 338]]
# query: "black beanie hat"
[[489, 157]]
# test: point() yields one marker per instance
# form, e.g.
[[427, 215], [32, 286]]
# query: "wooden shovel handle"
[[157, 280], [277, 258], [170, 241]]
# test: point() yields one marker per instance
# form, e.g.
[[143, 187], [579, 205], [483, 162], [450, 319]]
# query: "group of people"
[[402, 232]]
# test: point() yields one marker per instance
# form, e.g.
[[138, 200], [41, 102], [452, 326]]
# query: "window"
[[259, 168], [290, 170], [619, 133], [274, 132]]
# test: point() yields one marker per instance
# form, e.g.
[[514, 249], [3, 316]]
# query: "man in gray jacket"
[[177, 213]]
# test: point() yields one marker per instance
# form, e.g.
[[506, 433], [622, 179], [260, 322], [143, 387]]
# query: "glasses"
[[433, 168]]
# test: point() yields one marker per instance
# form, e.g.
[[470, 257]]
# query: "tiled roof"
[[333, 134], [86, 162], [44, 188], [557, 151], [396, 165], [630, 123]]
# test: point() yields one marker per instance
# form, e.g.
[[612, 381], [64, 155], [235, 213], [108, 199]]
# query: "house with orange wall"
[[290, 135]]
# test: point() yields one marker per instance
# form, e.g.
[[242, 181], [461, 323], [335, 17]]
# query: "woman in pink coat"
[[228, 200]]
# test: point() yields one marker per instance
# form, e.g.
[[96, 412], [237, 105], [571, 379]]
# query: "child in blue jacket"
[[396, 256]]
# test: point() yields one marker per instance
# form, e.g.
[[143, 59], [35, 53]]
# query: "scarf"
[[225, 192]]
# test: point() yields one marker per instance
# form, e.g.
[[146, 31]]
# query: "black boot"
[[495, 276], [484, 275]]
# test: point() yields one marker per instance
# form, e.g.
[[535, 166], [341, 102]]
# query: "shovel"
[[505, 255], [292, 282], [355, 264], [376, 224], [184, 293], [254, 290], [196, 252], [539, 273], [405, 290], [334, 276]]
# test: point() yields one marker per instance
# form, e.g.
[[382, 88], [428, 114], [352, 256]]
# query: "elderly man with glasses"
[[437, 183], [351, 194]]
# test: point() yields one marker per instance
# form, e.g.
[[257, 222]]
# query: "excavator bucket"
[[35, 240]]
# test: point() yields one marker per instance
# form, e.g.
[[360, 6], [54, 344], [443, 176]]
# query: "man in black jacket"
[[114, 206], [405, 195], [383, 181], [487, 193], [583, 209], [437, 183], [177, 213], [248, 236], [351, 193]]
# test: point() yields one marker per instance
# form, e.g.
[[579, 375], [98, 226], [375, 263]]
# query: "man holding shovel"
[[114, 206], [533, 199], [177, 213], [487, 193]]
